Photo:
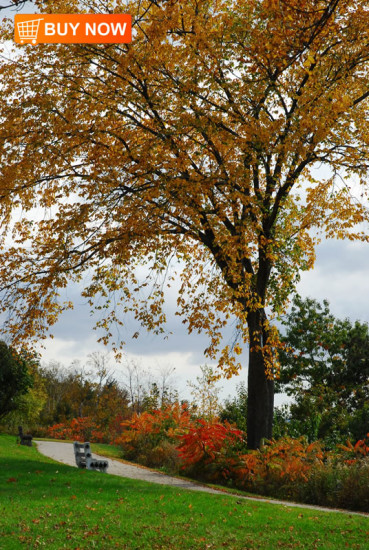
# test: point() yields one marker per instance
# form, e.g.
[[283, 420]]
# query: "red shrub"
[[78, 429], [209, 448]]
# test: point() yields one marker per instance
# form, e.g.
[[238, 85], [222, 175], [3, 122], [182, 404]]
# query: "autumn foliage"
[[86, 428], [152, 437], [198, 142], [355, 452], [169, 421], [209, 449], [280, 466]]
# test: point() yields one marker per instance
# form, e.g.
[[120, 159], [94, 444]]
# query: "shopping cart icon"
[[28, 30]]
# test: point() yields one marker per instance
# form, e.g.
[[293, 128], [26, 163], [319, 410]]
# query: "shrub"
[[146, 435], [209, 450], [293, 469], [60, 431], [78, 429], [165, 456], [339, 485], [353, 486], [279, 468], [352, 453], [86, 429]]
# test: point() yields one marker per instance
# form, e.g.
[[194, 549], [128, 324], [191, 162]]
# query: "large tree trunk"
[[260, 404]]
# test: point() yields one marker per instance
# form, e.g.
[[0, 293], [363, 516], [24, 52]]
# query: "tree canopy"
[[325, 368], [15, 378], [199, 142]]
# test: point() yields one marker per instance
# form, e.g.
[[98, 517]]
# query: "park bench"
[[25, 439], [84, 459]]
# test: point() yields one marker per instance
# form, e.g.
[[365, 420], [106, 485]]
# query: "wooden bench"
[[84, 459], [25, 439]]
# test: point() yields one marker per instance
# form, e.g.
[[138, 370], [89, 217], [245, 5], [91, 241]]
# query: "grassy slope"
[[45, 504]]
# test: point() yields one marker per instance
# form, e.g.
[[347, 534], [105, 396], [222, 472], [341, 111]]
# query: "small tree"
[[205, 393], [15, 378]]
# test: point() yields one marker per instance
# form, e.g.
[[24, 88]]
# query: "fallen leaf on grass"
[[24, 539], [12, 480]]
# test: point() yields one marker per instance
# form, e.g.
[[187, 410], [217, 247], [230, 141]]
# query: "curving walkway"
[[63, 452]]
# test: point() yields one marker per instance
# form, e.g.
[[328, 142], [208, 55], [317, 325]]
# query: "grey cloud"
[[77, 324], [341, 276]]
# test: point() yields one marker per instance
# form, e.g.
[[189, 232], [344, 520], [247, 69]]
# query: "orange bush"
[[84, 429], [210, 448], [279, 468], [167, 422], [148, 430], [60, 431]]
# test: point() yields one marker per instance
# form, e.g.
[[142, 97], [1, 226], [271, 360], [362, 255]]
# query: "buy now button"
[[72, 28]]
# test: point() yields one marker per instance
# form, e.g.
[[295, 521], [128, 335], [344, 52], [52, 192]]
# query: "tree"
[[205, 394], [79, 392], [15, 379], [137, 382], [198, 142], [234, 409], [160, 393], [29, 405], [109, 398], [102, 373], [57, 407], [325, 368]]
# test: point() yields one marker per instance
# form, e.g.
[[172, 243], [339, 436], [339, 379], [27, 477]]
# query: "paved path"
[[63, 452]]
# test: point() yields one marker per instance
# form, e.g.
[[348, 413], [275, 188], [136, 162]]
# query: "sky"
[[340, 275], [11, 11]]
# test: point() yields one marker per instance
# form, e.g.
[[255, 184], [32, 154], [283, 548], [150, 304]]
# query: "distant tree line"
[[41, 395]]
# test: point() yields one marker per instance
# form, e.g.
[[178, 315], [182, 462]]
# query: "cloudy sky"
[[340, 275]]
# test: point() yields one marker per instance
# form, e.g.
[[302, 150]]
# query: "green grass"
[[49, 505]]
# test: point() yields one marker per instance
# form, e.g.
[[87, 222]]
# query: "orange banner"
[[37, 28]]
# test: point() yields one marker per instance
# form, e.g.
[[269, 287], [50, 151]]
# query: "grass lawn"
[[45, 504]]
